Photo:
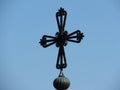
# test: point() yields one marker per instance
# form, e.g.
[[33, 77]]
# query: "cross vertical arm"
[[61, 59], [61, 19]]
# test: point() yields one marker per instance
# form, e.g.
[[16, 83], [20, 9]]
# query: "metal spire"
[[61, 39]]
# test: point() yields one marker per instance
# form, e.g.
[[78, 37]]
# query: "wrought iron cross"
[[61, 38]]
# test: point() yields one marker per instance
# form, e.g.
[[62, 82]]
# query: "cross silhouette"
[[61, 38]]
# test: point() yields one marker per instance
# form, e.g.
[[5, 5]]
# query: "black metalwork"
[[61, 38]]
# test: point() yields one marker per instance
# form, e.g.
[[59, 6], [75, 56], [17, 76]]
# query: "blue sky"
[[94, 64]]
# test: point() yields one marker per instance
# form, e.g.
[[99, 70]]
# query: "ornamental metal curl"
[[61, 38]]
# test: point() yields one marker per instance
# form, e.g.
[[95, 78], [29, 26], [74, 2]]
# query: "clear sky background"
[[94, 64]]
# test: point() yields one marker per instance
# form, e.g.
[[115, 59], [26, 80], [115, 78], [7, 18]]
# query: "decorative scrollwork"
[[61, 38]]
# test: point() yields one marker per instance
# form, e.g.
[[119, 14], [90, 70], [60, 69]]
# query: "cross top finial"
[[61, 38], [61, 12]]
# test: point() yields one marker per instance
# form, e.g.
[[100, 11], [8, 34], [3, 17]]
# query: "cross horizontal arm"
[[47, 41], [76, 36]]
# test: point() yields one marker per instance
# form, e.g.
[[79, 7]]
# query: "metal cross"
[[61, 38]]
